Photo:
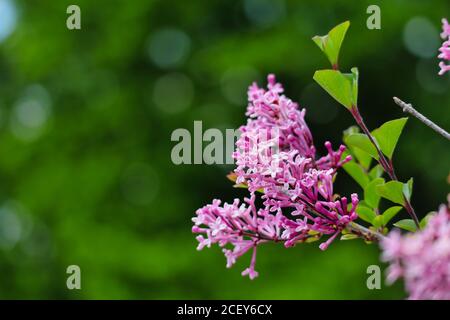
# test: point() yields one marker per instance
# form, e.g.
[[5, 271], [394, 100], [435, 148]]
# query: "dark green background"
[[87, 179]]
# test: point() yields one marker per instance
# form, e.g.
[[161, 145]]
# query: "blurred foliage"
[[85, 124]]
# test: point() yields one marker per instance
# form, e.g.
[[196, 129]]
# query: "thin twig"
[[367, 233], [407, 107]]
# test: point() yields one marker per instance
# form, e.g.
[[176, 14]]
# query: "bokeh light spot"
[[264, 13], [421, 37], [10, 228], [8, 18], [169, 47], [30, 113]]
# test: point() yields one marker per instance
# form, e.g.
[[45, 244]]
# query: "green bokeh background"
[[86, 117]]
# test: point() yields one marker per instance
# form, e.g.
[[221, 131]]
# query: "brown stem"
[[387, 165], [360, 121]]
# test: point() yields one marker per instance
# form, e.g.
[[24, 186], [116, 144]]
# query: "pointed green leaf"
[[423, 223], [350, 130], [361, 156], [362, 142], [376, 172], [331, 43], [392, 190], [371, 197], [407, 188], [349, 236], [377, 222], [357, 173], [361, 203], [365, 213], [388, 134], [320, 41], [406, 224], [355, 79], [337, 85], [390, 213], [312, 239]]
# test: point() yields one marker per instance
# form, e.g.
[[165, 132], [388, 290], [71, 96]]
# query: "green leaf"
[[407, 188], [321, 41], [371, 197], [338, 85], [406, 224], [376, 171], [392, 190], [377, 222], [361, 203], [350, 130], [312, 239], [361, 156], [349, 236], [331, 43], [232, 176], [357, 173], [390, 213], [423, 223], [354, 79], [362, 142], [388, 134], [365, 213]]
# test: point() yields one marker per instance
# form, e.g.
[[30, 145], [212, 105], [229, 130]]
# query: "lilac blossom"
[[276, 155], [445, 48], [422, 259]]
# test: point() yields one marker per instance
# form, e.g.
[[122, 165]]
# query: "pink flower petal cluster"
[[422, 258], [445, 48], [239, 225], [276, 155]]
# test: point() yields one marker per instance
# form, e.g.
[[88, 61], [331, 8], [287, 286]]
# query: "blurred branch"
[[407, 107], [365, 232]]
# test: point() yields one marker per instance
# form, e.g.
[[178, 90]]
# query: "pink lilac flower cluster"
[[445, 48], [275, 155], [422, 258]]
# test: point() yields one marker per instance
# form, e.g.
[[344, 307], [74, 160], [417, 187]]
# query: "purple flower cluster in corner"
[[276, 155], [445, 48], [422, 258]]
